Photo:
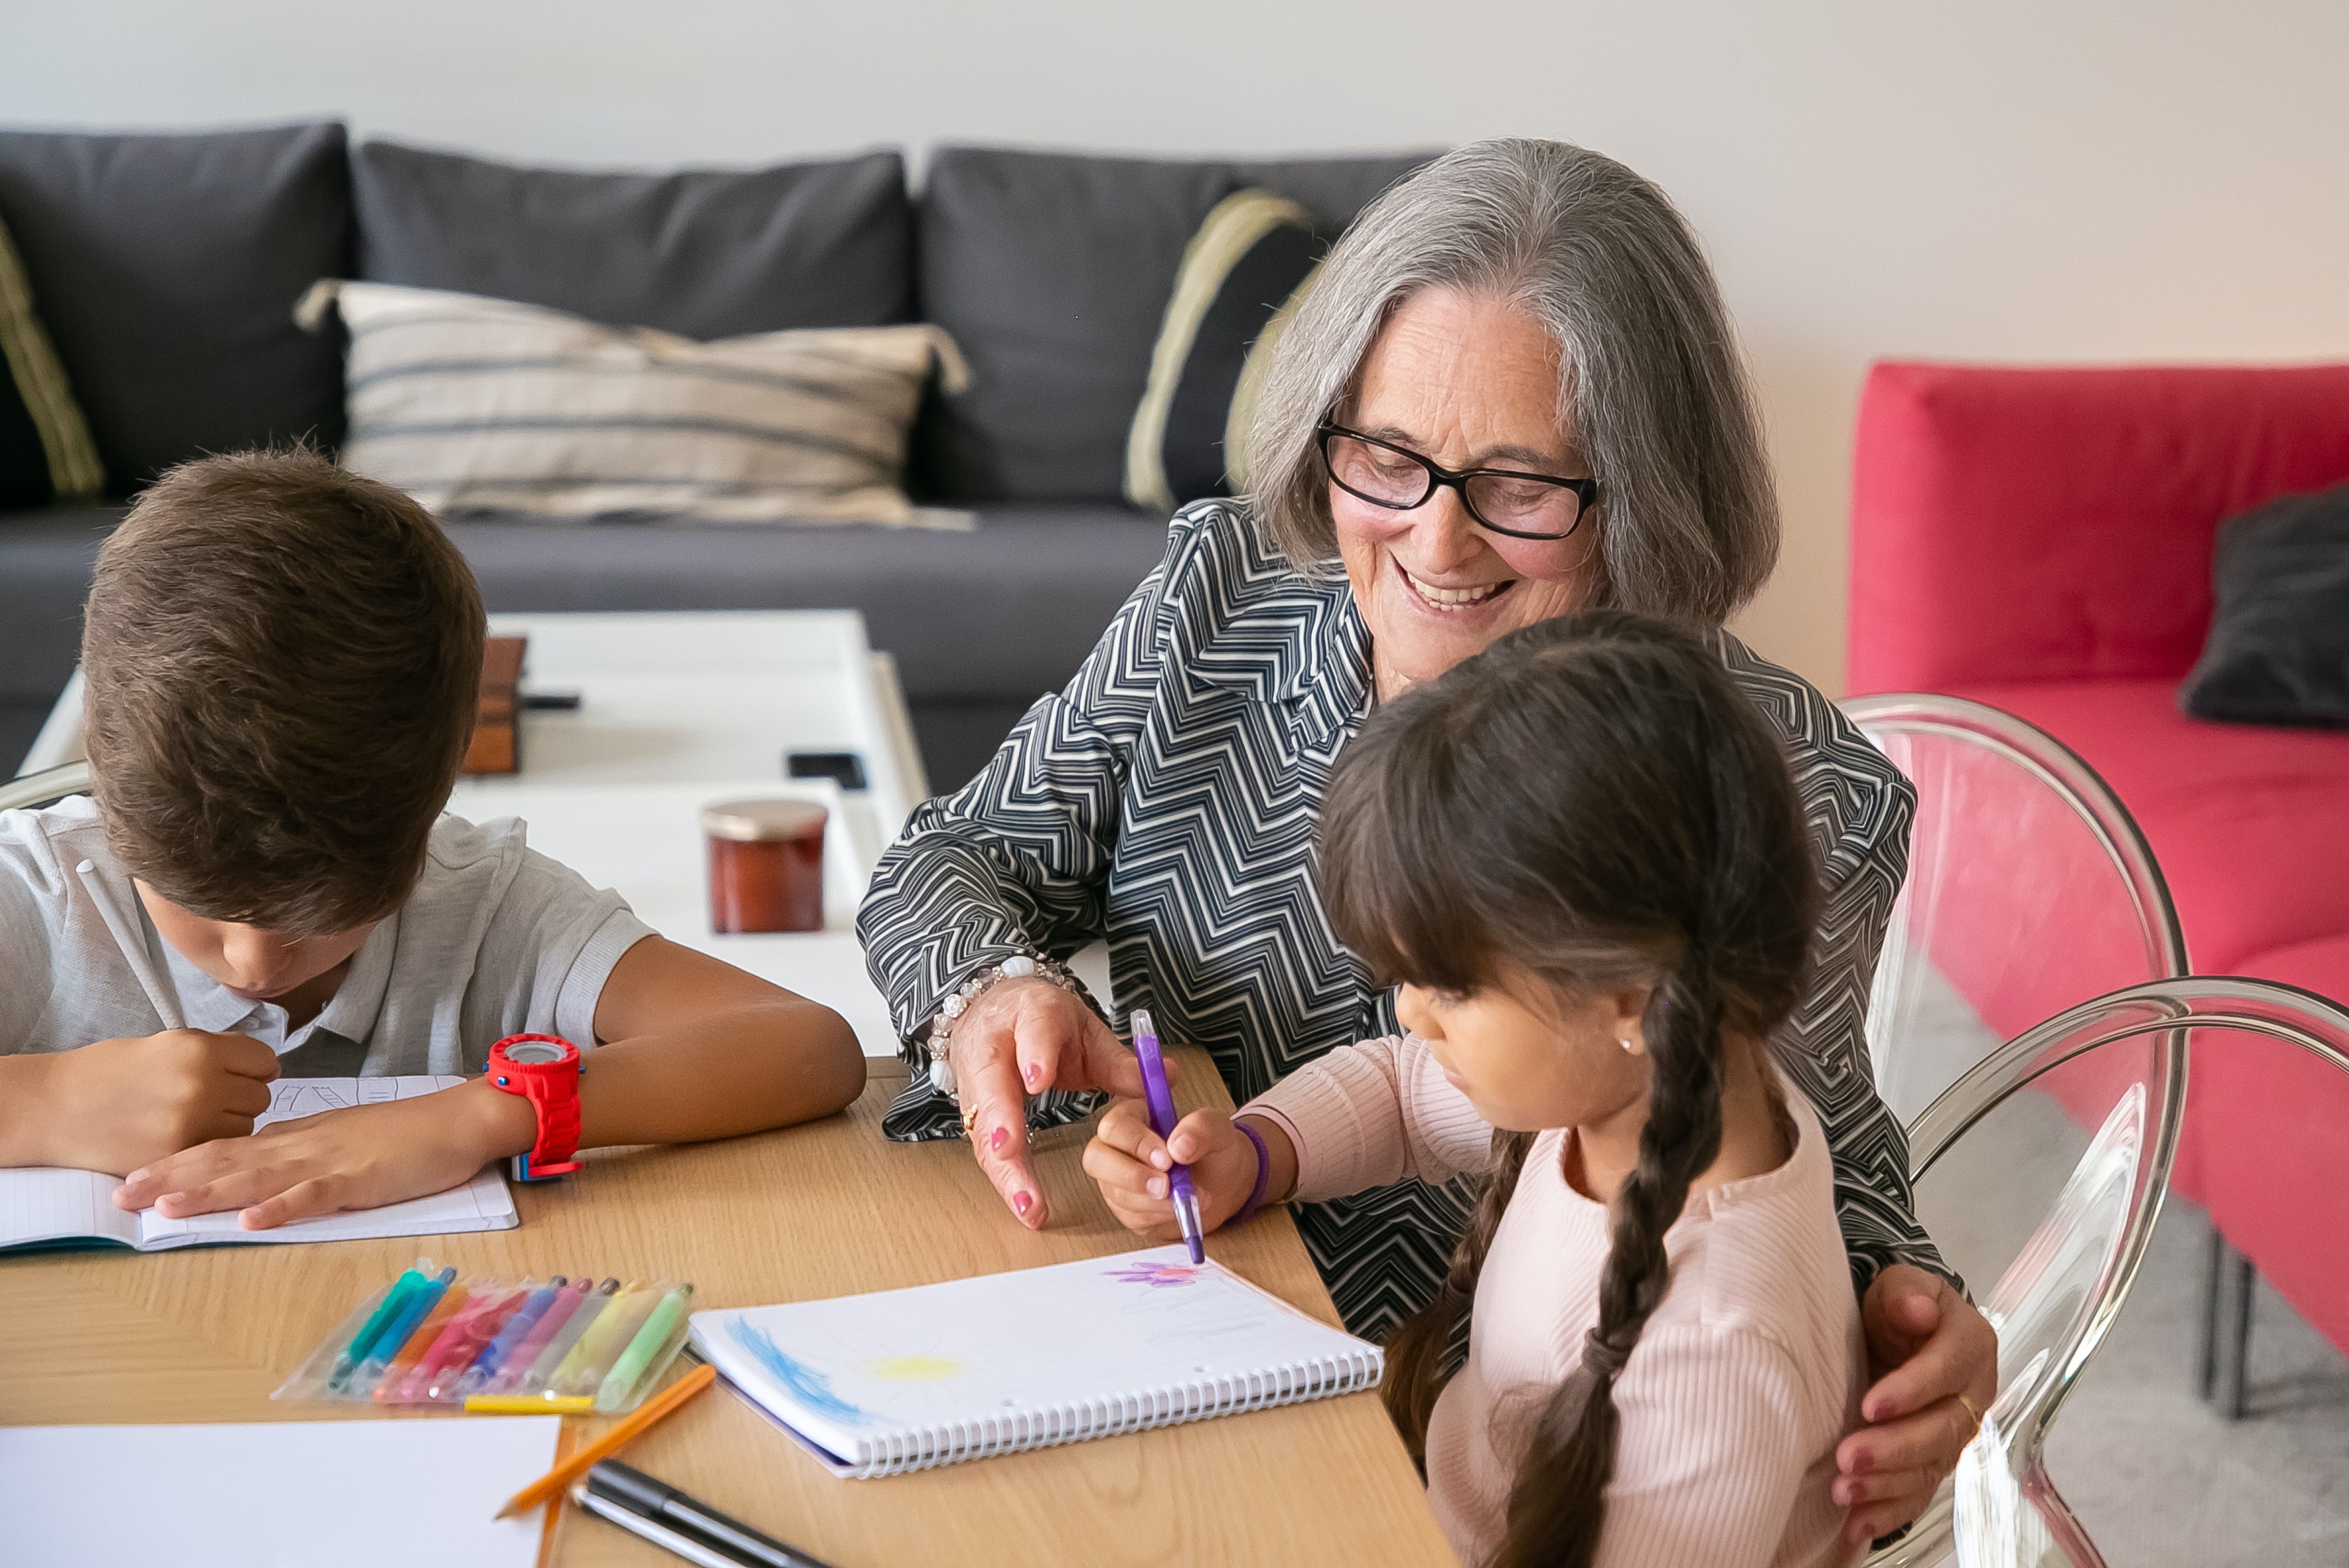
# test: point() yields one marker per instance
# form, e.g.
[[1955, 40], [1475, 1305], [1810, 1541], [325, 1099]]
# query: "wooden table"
[[826, 1210]]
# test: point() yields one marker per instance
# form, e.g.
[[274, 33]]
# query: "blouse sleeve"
[[1017, 860], [1858, 809], [1372, 1114]]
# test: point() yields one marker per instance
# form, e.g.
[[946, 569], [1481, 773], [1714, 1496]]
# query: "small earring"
[[1627, 1045]]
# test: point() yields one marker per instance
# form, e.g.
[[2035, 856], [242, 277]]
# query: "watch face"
[[531, 1053]]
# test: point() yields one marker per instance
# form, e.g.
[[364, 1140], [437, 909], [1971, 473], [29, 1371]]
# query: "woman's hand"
[[1131, 1162], [362, 1157], [1019, 1038], [1926, 1346]]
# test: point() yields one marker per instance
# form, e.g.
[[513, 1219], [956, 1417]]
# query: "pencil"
[[611, 1442]]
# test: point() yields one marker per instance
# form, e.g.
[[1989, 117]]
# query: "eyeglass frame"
[[1586, 490]]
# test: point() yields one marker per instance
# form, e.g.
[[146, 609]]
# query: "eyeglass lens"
[[1393, 478]]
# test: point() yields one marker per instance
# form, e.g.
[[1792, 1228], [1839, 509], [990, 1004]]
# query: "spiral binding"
[[1114, 1414]]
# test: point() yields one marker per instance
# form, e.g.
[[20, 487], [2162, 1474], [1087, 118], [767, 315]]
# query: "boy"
[[280, 662]]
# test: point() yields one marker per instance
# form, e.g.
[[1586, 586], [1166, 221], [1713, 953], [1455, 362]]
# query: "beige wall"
[[1977, 179]]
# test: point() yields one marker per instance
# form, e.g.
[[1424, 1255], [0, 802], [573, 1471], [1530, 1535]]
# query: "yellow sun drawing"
[[914, 1368]]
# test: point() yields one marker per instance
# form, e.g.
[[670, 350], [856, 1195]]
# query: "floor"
[[2156, 1478]]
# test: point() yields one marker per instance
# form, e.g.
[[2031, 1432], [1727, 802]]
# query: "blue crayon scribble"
[[812, 1388]]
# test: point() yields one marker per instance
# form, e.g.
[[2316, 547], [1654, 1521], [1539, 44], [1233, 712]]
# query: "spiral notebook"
[[902, 1380]]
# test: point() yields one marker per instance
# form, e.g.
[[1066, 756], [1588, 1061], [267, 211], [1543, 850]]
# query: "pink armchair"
[[2039, 540]]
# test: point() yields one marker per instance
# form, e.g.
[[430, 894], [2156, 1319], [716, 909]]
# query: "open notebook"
[[46, 1206], [901, 1380]]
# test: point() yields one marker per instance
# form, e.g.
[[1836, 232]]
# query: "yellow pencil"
[[611, 1442]]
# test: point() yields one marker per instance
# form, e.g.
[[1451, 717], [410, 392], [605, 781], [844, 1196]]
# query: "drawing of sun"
[[1157, 1277], [914, 1368]]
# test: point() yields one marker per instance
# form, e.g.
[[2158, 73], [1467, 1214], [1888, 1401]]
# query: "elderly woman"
[[1511, 394]]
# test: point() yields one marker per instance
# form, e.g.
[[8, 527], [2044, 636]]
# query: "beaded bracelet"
[[958, 1001], [1263, 1175]]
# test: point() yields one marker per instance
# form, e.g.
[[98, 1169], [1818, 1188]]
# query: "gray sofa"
[[165, 267]]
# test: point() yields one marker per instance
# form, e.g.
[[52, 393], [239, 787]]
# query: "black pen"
[[659, 1513]]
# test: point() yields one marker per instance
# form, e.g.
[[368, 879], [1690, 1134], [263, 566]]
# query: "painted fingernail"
[[1032, 1073], [996, 1141], [1022, 1202]]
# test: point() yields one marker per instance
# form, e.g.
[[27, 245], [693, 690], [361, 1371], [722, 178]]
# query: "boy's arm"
[[698, 1050]]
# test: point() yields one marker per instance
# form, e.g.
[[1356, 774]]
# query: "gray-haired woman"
[[1511, 394]]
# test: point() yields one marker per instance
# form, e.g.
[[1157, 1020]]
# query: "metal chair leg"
[[2214, 1282], [2233, 1394], [2229, 1283]]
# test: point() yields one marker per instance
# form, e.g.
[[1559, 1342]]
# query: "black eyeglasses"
[[1522, 505]]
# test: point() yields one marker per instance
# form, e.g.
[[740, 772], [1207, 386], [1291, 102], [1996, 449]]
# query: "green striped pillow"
[[46, 452]]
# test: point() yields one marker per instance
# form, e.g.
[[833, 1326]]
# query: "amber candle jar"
[[766, 864]]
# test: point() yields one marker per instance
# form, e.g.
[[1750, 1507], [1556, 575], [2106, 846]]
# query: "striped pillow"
[[46, 452], [473, 404]]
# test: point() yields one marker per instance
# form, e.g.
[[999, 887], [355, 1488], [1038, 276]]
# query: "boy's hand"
[[1131, 1162], [119, 1104], [360, 1157]]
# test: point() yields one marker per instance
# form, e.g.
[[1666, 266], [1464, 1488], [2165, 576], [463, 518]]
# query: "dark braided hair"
[[1592, 801]]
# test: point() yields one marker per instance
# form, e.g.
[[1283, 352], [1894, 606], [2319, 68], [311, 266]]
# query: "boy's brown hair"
[[280, 662]]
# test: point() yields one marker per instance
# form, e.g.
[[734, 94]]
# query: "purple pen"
[[1161, 1122]]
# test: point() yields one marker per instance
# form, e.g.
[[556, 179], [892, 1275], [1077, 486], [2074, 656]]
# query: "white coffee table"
[[679, 709]]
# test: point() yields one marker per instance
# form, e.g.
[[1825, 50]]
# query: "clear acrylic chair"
[[2044, 1168], [2030, 889], [44, 788]]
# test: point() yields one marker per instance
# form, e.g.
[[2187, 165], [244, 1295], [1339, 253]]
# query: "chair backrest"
[[45, 788], [2112, 1073], [2030, 889]]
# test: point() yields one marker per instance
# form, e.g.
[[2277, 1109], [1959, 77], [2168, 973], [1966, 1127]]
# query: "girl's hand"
[[1131, 1163], [1019, 1038], [362, 1157]]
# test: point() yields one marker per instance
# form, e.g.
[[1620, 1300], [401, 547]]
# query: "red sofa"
[[2039, 540]]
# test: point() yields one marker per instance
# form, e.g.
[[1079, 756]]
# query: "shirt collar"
[[350, 1013]]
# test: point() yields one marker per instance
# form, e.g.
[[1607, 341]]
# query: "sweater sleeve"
[[1703, 1474], [1372, 1114]]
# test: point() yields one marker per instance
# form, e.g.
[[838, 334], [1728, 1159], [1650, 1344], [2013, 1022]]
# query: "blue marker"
[[363, 1341], [476, 1376], [394, 1333]]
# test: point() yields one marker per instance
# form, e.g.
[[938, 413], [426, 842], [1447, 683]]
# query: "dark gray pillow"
[[1052, 272], [2278, 648], [167, 269], [704, 253]]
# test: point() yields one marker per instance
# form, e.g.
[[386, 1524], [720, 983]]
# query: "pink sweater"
[[1746, 1377]]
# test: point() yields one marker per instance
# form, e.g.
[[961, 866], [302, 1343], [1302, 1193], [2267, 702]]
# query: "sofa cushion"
[[1052, 272], [45, 557], [167, 269], [1008, 610], [2278, 648], [702, 252], [46, 451], [2241, 819]]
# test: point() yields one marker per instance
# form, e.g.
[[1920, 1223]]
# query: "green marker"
[[393, 1299], [662, 1326], [583, 1370]]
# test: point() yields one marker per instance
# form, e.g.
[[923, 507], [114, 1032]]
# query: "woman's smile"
[[1452, 599]]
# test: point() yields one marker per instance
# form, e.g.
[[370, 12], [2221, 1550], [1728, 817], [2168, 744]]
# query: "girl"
[[1594, 937]]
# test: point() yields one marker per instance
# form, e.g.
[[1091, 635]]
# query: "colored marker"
[[1161, 1122], [558, 1347], [582, 1372], [436, 1376], [518, 1360], [349, 1361], [394, 1381], [516, 1328], [526, 1405], [420, 1302], [656, 1331]]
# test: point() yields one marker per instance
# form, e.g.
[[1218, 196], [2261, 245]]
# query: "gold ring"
[[969, 1120], [1975, 1414]]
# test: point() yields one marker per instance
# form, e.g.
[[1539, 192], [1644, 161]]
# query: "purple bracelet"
[[1263, 1176]]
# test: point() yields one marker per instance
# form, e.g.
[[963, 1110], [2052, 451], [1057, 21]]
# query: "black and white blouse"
[[1166, 801]]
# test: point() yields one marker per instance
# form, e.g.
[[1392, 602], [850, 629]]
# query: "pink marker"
[[519, 1360], [458, 1339]]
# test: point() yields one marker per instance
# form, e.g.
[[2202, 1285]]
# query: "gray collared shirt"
[[494, 939]]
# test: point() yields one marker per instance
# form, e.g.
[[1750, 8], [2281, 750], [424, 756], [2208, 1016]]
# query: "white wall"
[[1970, 179]]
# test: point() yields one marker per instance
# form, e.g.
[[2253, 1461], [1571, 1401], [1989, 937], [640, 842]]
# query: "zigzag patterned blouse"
[[1166, 801]]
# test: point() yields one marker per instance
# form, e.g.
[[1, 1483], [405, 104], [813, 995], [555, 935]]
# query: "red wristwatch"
[[544, 1069]]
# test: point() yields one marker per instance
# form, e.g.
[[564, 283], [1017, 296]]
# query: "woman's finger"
[[1886, 1487], [997, 1109], [1930, 1441]]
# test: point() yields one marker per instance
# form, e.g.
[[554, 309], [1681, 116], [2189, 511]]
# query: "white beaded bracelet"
[[959, 1001]]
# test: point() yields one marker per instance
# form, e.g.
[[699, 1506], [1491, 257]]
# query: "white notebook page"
[[482, 1204], [349, 1494], [53, 1205], [1113, 1337]]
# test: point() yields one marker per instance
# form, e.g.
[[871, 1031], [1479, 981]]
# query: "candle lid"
[[757, 819]]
